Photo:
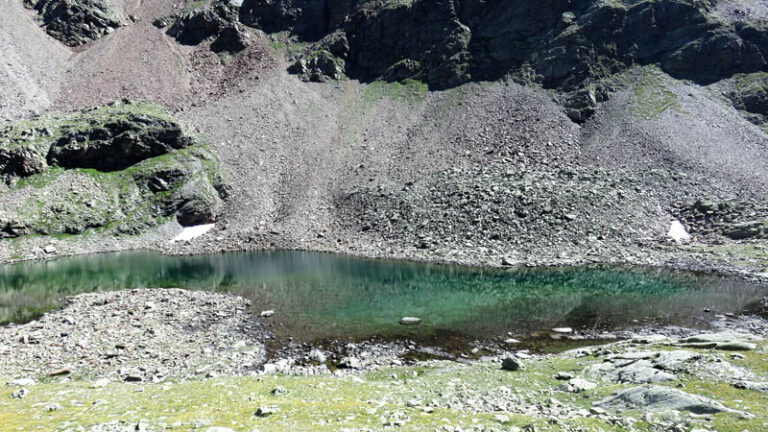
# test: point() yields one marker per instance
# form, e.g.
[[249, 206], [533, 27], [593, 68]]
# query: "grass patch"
[[327, 403], [651, 97], [409, 91]]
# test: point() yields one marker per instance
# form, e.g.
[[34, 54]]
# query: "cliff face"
[[571, 46]]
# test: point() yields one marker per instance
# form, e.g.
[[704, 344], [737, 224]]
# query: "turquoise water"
[[322, 295]]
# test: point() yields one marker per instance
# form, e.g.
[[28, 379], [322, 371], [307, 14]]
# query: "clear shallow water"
[[319, 296]]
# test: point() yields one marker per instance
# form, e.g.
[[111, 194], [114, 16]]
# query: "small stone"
[[562, 330], [511, 341], [53, 407], [350, 363], [564, 376], [100, 383], [512, 364], [317, 356], [279, 391], [410, 321], [57, 372], [50, 249], [501, 418], [597, 411], [20, 393], [266, 313], [266, 411], [218, 429]]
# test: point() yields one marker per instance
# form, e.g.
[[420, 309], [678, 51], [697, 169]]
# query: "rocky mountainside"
[[483, 132]]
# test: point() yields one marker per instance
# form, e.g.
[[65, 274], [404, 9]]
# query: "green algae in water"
[[319, 296]]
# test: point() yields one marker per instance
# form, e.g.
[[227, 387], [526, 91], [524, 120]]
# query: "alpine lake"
[[318, 296]]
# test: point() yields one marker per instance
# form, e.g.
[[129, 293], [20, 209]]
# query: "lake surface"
[[318, 296]]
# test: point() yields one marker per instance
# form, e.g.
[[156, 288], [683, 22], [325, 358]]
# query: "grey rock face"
[[636, 372], [655, 398], [449, 43]]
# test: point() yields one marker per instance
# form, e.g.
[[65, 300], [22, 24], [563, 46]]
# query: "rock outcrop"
[[218, 22], [557, 43], [117, 145], [122, 169], [656, 398], [77, 22]]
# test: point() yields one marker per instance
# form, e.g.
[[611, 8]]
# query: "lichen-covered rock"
[[77, 22]]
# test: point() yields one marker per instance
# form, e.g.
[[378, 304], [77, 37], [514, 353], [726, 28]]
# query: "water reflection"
[[321, 295]]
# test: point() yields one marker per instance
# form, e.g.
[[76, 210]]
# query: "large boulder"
[[656, 398]]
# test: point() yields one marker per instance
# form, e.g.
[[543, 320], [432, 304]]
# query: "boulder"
[[512, 364], [655, 398], [350, 363], [318, 66], [20, 161]]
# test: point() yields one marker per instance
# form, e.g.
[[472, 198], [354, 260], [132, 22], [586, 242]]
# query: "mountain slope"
[[582, 147]]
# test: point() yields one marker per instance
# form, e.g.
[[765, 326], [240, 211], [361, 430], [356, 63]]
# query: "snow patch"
[[189, 233], [677, 232]]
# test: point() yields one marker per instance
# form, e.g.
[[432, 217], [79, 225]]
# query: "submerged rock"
[[410, 321]]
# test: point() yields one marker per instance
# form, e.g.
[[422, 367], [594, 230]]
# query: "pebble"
[[20, 393], [266, 411], [410, 321], [266, 313]]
